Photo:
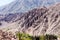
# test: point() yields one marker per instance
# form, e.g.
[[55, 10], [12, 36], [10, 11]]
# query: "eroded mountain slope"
[[34, 22]]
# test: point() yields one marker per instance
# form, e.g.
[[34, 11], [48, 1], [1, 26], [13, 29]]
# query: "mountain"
[[25, 5], [33, 17], [35, 22]]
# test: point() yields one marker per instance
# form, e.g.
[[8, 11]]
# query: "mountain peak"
[[25, 5]]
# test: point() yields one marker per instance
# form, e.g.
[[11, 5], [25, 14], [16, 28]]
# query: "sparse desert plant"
[[51, 37], [23, 36], [42, 37], [18, 36]]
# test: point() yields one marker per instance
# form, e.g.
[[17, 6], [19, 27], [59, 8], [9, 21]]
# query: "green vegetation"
[[51, 37], [42, 37], [23, 36], [19, 36]]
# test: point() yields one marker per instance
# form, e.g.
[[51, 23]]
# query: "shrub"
[[51, 37], [42, 37], [23, 36], [19, 36]]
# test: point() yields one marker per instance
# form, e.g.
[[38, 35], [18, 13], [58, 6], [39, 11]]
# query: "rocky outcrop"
[[7, 35]]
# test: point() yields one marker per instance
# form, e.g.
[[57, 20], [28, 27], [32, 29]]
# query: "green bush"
[[19, 36], [42, 37], [51, 37], [23, 36]]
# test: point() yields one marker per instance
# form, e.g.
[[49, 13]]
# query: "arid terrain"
[[38, 21]]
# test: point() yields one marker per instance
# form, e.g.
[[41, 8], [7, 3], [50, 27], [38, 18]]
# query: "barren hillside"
[[35, 22]]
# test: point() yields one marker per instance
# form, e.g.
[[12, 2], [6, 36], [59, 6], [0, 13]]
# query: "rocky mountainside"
[[37, 21], [25, 5]]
